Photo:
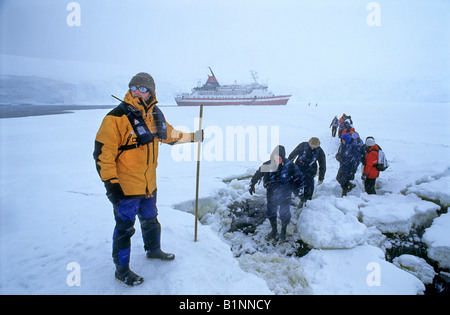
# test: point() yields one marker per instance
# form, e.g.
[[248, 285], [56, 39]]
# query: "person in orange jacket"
[[370, 161], [126, 157]]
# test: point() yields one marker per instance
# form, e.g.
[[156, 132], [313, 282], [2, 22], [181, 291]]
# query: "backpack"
[[382, 161], [382, 164]]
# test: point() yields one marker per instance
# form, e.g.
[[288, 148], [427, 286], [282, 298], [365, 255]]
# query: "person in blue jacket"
[[306, 156], [281, 178], [349, 158]]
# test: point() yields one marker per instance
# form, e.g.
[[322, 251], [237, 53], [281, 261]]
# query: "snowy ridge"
[[45, 91], [87, 83]]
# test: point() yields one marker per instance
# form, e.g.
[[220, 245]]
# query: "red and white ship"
[[214, 94]]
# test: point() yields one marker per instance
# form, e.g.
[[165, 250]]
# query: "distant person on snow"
[[126, 157], [370, 161], [281, 177], [349, 158], [334, 124], [306, 156]]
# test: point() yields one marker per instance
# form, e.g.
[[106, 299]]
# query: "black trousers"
[[369, 186], [279, 195], [333, 131], [308, 182]]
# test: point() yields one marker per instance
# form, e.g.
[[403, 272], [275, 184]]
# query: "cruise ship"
[[214, 94]]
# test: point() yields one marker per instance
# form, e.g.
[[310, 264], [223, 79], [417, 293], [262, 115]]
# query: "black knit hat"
[[278, 151], [143, 79]]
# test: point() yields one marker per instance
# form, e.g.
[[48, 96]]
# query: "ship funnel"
[[212, 81]]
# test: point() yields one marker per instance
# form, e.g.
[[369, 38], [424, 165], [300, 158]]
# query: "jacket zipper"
[[147, 193], [153, 143]]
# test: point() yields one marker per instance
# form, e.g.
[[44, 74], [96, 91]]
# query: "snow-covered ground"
[[54, 211]]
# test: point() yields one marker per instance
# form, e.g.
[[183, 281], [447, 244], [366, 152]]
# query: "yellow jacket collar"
[[139, 103]]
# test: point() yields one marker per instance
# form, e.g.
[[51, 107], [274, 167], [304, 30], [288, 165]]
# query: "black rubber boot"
[[274, 233], [159, 254], [283, 231], [351, 186], [125, 275]]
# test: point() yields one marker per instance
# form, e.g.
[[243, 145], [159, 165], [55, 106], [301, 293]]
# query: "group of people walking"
[[352, 152], [295, 173]]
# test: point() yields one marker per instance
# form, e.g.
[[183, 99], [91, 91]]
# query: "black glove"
[[251, 190], [114, 193], [364, 177]]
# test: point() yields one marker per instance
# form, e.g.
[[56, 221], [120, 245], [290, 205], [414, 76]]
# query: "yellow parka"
[[133, 169]]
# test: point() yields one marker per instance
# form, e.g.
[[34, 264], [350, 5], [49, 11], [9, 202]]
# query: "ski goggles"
[[141, 89]]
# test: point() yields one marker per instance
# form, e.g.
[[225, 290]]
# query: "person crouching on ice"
[[281, 177]]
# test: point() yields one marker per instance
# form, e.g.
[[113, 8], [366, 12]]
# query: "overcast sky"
[[284, 40]]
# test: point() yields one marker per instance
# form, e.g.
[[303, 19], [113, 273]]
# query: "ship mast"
[[211, 71], [212, 80], [254, 75]]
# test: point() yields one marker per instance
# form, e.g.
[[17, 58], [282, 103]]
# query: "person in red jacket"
[[370, 161]]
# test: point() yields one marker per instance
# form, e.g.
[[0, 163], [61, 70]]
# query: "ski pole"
[[198, 172]]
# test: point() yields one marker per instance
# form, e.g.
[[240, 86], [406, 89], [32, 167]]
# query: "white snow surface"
[[439, 247], [434, 189], [353, 271], [54, 210], [416, 266], [394, 213], [324, 226]]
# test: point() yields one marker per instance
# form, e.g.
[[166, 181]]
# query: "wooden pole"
[[198, 172]]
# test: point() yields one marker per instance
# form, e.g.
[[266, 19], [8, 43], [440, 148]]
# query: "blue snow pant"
[[125, 216], [279, 196], [308, 191]]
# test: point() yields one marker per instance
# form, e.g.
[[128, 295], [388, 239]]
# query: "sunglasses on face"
[[141, 89]]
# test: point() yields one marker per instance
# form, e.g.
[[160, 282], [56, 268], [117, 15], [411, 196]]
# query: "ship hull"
[[257, 101]]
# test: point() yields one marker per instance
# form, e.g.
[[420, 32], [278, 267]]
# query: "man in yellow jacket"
[[126, 155]]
